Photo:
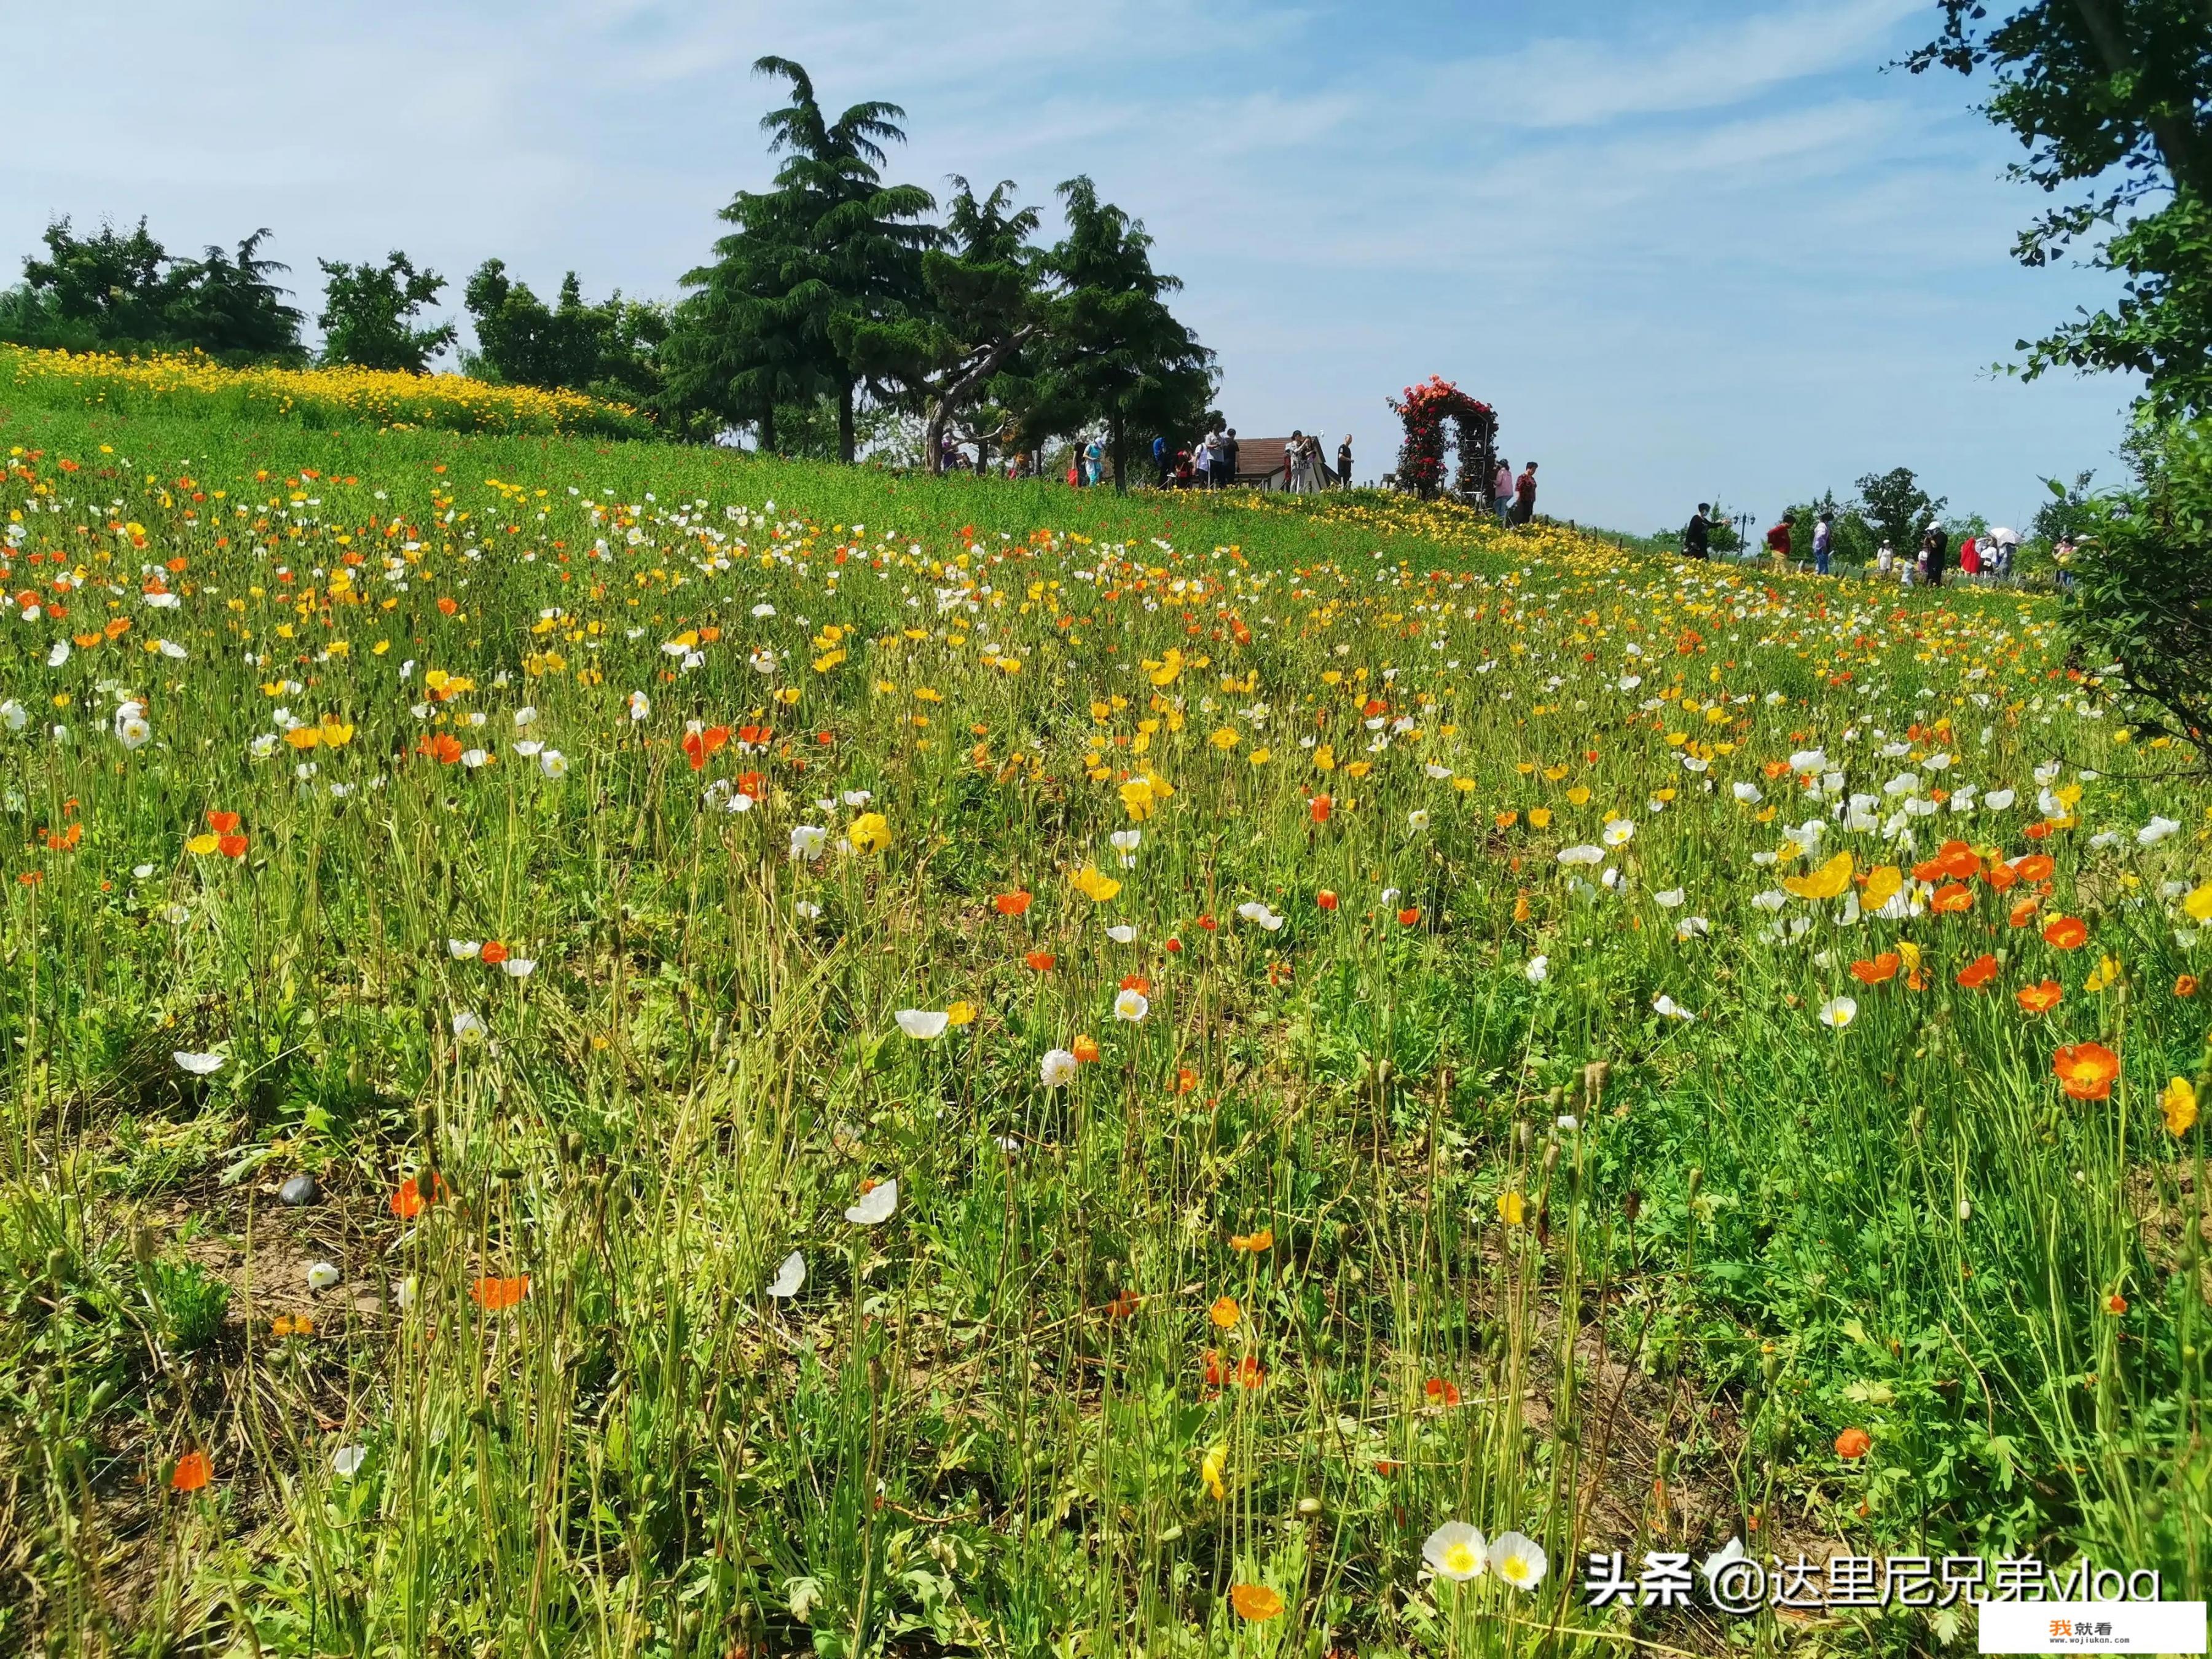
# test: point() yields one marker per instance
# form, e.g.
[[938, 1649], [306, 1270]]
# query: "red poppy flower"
[[2040, 998], [1320, 809], [1326, 899], [1879, 970], [1208, 923], [1978, 972], [2086, 1070], [222, 823], [1012, 904], [1041, 961], [1440, 1392], [231, 847], [1409, 915], [1137, 983], [409, 1200], [1853, 1443], [2036, 866], [494, 953]]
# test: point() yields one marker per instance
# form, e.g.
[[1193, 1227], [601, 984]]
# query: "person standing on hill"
[[1295, 462], [1344, 463], [1697, 534], [1160, 461], [1225, 466], [1824, 541], [1779, 540], [1937, 545], [1501, 492], [1524, 495]]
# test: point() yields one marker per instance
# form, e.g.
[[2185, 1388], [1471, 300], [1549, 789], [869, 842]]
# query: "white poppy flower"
[[198, 1065], [1122, 932], [525, 718], [1519, 1560], [1132, 1005], [1691, 927], [1538, 969], [1258, 914], [463, 950], [875, 1206], [1748, 793], [468, 1028], [1418, 819], [1058, 1068], [520, 967], [922, 1025], [1583, 854], [807, 841], [1999, 801], [1670, 899], [1619, 832], [553, 765], [1665, 1005], [13, 715], [1730, 1552], [641, 706], [1840, 1012], [788, 1278], [1456, 1551], [346, 1461], [2155, 831], [322, 1276]]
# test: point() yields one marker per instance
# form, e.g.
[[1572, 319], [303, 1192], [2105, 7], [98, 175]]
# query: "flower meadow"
[[627, 1050], [323, 397]]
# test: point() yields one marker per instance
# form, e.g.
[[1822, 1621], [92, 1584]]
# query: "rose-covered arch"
[[1425, 409]]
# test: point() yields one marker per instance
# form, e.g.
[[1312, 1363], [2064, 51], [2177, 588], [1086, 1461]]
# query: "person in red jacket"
[[1778, 539]]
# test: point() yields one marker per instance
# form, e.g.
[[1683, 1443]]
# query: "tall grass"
[[1372, 1221]]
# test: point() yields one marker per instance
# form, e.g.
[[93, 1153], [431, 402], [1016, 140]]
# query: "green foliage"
[[608, 349], [120, 292], [188, 1304], [2143, 578], [1896, 510], [2110, 94], [2068, 515], [368, 315], [815, 290], [1113, 350]]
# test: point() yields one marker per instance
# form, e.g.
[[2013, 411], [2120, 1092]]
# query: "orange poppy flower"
[[1209, 924], [1224, 1312], [1041, 961], [1978, 972], [700, 745], [1951, 898], [222, 823], [1086, 1048], [192, 1472], [1320, 809], [2116, 1304], [2086, 1070], [763, 734], [1326, 899], [496, 1294], [754, 785], [1253, 1244], [1254, 1602], [1409, 915], [410, 1199], [2185, 985], [2036, 866], [494, 953], [2066, 933], [2040, 998], [1186, 1080], [1247, 1372], [2038, 831], [1137, 983], [1440, 1392], [447, 605], [1122, 1306], [2000, 876], [445, 748], [1012, 904], [1956, 859], [1881, 970], [1853, 1443], [2023, 911]]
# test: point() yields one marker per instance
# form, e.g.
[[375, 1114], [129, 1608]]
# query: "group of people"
[[1989, 554], [1514, 500]]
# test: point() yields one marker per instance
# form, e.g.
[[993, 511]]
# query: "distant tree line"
[[838, 307]]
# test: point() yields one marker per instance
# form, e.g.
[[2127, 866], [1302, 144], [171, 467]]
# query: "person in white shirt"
[[1501, 490]]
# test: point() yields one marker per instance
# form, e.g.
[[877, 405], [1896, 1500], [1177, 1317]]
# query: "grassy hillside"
[[891, 1066]]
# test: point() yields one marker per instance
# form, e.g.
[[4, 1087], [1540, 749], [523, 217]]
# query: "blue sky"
[[1687, 249]]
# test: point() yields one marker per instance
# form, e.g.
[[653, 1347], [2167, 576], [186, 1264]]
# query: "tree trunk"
[[960, 391], [982, 453], [1114, 426], [845, 444], [768, 429]]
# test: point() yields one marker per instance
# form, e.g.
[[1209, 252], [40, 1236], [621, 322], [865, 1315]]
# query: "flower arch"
[[1425, 409]]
